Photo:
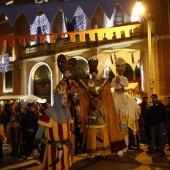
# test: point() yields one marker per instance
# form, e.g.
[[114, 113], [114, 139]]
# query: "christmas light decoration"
[[41, 25], [80, 18], [4, 60]]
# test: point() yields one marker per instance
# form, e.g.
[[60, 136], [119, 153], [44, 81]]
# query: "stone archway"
[[40, 81]]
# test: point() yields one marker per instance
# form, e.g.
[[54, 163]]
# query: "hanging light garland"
[[4, 61]]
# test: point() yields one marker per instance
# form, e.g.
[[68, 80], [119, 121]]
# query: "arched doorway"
[[40, 81]]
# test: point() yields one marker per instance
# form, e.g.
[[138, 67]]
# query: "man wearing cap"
[[156, 115]]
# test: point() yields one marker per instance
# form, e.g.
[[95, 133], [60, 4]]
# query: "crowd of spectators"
[[19, 126]]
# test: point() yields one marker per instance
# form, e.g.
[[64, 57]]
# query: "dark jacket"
[[15, 135], [167, 125], [29, 121], [156, 114]]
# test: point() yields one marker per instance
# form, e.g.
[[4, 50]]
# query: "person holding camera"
[[156, 115]]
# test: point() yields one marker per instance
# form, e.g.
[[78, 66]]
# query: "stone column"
[[56, 72], [24, 79], [150, 56], [56, 75]]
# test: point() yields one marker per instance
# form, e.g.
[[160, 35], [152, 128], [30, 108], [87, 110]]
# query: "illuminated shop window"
[[41, 25], [8, 81]]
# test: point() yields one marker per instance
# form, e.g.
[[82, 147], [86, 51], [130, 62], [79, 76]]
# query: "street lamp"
[[150, 56], [140, 10]]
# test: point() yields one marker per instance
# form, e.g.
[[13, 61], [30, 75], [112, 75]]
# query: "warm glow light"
[[8, 90], [139, 9]]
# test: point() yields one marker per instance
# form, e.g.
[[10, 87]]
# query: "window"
[[8, 81]]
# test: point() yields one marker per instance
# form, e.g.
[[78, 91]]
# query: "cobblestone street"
[[136, 160]]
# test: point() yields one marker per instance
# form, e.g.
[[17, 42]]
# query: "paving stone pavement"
[[132, 160]]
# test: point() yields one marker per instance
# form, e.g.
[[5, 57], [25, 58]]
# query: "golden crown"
[[59, 89]]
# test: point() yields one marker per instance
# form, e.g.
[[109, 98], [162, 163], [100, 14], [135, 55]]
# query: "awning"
[[29, 98], [68, 7]]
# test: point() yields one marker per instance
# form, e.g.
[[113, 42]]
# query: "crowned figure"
[[72, 90], [102, 134], [55, 124]]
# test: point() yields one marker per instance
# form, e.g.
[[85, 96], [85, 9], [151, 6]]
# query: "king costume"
[[102, 134]]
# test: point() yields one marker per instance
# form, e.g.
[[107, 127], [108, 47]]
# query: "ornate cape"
[[114, 132]]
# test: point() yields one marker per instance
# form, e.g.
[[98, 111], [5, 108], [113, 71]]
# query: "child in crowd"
[[15, 139], [9, 124]]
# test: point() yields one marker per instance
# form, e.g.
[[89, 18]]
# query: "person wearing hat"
[[126, 106], [156, 115], [55, 122], [102, 134], [72, 90]]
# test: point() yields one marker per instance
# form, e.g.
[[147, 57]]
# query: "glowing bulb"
[[139, 9]]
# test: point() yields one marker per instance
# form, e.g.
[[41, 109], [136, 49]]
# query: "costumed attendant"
[[102, 134], [72, 91], [126, 106], [55, 122]]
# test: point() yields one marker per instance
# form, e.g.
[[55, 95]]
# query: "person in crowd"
[[156, 115], [72, 90], [7, 106], [167, 125], [100, 119], [56, 123], [9, 124], [29, 128], [34, 104], [3, 117], [38, 110], [126, 106], [16, 105], [45, 106], [2, 137], [15, 139], [143, 127], [22, 112], [12, 111]]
